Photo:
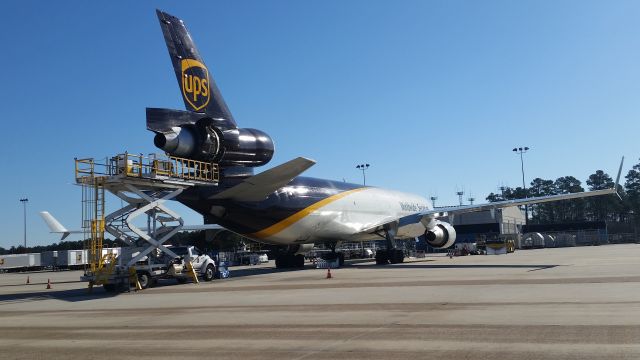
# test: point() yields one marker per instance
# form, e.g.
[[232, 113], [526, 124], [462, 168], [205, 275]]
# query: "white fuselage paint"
[[344, 219]]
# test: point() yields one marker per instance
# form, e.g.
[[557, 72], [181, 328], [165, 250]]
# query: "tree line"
[[599, 208]]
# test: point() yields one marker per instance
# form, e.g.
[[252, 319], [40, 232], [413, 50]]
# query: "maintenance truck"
[[157, 265]]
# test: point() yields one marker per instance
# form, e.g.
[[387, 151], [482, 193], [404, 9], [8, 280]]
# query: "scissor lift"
[[144, 183]]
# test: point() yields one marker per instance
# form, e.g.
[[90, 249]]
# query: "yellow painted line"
[[277, 227]]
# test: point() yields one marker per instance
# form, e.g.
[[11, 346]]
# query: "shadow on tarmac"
[[533, 267], [72, 295], [252, 271], [41, 283]]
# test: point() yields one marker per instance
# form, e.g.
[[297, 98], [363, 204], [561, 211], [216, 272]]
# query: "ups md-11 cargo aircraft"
[[278, 206]]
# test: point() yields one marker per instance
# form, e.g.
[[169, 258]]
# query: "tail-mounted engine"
[[442, 235], [194, 136]]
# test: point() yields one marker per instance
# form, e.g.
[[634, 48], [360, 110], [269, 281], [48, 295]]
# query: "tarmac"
[[566, 303]]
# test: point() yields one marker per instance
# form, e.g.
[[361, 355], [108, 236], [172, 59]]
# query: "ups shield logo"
[[195, 84]]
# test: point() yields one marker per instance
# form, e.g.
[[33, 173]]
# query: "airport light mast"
[[363, 167], [522, 150], [460, 193], [24, 207]]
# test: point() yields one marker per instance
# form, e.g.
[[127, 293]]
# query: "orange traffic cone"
[[28, 280], [48, 284], [328, 273]]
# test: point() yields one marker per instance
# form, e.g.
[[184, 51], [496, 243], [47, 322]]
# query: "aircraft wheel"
[[382, 257], [396, 256], [299, 261]]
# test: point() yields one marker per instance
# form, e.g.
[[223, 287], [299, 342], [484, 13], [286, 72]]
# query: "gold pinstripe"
[[279, 226]]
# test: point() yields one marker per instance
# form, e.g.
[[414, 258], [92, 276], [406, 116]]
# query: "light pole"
[[363, 167], [522, 150], [24, 207]]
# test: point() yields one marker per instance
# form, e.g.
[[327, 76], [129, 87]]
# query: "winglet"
[[54, 225], [618, 178]]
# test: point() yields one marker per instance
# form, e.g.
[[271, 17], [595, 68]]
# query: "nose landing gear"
[[392, 254]]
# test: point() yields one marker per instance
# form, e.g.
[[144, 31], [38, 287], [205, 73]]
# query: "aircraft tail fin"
[[199, 90], [54, 225]]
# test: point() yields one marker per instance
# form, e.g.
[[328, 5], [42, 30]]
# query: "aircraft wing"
[[517, 202], [258, 187], [426, 215], [527, 201]]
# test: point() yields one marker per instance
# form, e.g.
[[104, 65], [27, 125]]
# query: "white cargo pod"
[[72, 259], [17, 262]]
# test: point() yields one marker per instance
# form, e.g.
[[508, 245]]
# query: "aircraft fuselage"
[[310, 210]]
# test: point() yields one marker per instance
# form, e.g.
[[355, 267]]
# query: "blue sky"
[[433, 94]]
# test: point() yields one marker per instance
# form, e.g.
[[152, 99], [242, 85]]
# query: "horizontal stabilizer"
[[258, 187]]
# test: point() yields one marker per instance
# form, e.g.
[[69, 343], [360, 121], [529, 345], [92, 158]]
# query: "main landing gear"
[[392, 254], [286, 260], [333, 255]]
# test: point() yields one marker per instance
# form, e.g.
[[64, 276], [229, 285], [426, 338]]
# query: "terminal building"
[[506, 223]]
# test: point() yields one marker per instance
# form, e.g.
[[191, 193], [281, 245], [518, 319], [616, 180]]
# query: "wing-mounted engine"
[[198, 137], [299, 249], [441, 235]]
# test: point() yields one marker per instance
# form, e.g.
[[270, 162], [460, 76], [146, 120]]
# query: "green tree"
[[632, 187], [542, 213], [602, 208], [568, 210]]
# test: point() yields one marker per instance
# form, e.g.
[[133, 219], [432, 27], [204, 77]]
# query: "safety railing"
[[149, 167]]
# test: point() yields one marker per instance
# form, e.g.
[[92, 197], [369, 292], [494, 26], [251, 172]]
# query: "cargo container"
[[49, 259], [114, 251], [20, 262], [72, 259]]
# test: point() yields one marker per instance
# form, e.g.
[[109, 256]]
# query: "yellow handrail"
[[137, 165]]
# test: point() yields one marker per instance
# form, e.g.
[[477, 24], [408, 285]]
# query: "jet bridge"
[[144, 184]]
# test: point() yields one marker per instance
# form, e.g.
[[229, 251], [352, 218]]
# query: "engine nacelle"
[[205, 142], [246, 147], [441, 236], [299, 249]]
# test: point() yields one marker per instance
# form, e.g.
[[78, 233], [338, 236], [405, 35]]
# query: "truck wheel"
[[144, 279], [181, 280], [209, 272], [109, 287]]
